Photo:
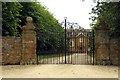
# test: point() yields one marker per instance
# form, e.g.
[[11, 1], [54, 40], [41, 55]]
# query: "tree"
[[110, 15], [11, 21]]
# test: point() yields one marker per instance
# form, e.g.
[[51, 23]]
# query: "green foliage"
[[11, 21], [49, 32], [110, 14]]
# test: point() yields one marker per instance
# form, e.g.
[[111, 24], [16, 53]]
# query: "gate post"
[[102, 51], [28, 43]]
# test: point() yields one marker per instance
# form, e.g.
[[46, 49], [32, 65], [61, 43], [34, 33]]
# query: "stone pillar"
[[28, 43], [102, 49]]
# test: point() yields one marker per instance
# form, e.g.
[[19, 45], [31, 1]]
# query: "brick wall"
[[114, 50], [0, 51], [11, 49]]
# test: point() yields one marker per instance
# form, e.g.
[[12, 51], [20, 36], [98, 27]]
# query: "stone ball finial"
[[29, 19]]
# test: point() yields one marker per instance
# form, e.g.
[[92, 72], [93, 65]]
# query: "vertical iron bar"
[[86, 47], [65, 38], [68, 61], [47, 58], [75, 51], [82, 43], [43, 56], [77, 57], [83, 48], [88, 44], [71, 45], [59, 49], [93, 46], [37, 58]]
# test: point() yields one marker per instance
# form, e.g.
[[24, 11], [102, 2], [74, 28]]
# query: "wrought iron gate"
[[75, 46]]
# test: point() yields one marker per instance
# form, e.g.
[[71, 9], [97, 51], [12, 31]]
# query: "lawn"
[[51, 55]]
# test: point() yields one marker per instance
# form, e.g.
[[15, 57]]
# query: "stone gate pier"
[[107, 47], [28, 43], [102, 48]]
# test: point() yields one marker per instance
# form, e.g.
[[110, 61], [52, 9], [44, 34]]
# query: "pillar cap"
[[29, 25], [29, 19]]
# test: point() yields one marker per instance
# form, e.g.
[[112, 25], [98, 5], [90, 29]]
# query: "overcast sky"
[[75, 10]]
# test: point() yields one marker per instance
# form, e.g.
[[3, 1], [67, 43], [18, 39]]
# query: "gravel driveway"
[[59, 71]]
